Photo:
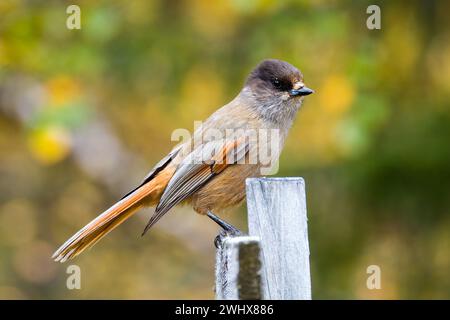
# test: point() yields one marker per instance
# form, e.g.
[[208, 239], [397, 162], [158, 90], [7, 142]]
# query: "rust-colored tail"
[[111, 218]]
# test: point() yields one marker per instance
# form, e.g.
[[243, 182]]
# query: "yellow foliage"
[[50, 145], [62, 89], [336, 94]]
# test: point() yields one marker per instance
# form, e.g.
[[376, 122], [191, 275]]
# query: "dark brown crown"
[[277, 74]]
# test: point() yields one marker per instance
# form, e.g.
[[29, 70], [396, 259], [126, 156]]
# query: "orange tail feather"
[[111, 218]]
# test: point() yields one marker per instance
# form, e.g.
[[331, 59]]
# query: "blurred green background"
[[85, 113]]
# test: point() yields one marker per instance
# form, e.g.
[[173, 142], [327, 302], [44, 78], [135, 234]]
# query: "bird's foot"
[[223, 234], [228, 230]]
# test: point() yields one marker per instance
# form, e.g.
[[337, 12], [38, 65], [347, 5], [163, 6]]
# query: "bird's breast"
[[224, 190]]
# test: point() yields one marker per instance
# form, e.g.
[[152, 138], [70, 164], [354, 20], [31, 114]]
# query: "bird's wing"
[[157, 168], [196, 169], [118, 213]]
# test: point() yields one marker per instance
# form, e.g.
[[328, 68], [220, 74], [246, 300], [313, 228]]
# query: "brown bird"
[[209, 170]]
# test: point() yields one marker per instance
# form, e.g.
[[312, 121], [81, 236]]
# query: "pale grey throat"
[[279, 111]]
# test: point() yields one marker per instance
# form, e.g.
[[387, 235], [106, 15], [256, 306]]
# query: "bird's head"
[[276, 83]]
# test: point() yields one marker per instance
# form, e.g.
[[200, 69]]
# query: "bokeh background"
[[84, 114]]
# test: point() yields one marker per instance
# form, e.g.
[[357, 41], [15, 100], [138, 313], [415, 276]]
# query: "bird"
[[208, 171]]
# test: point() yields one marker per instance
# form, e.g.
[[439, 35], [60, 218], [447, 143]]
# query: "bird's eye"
[[276, 83]]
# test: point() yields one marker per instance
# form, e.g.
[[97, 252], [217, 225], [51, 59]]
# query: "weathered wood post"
[[279, 238], [277, 215], [238, 269]]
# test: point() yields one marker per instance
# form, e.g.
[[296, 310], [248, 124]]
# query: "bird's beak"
[[303, 91]]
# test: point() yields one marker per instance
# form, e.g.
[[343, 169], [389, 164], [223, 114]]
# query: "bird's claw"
[[227, 231], [223, 234]]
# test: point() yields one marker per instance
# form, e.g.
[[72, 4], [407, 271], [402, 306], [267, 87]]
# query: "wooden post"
[[277, 216], [238, 269], [273, 262]]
